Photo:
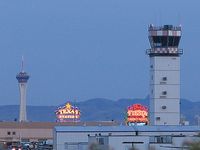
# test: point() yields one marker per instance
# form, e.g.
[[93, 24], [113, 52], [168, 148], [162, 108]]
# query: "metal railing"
[[166, 51], [165, 27]]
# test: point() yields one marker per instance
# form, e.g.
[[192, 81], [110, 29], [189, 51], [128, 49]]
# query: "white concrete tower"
[[22, 78], [164, 75]]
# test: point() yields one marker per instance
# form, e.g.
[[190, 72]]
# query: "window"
[[164, 93], [100, 141], [158, 118], [8, 133], [14, 133], [164, 107], [164, 78], [161, 139]]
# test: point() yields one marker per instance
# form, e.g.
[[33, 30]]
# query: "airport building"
[[124, 137], [38, 131]]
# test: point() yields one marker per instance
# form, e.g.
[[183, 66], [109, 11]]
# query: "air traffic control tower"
[[22, 78], [164, 74]]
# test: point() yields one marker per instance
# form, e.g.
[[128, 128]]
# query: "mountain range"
[[98, 109]]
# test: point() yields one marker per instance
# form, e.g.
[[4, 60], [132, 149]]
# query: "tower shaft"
[[165, 90], [22, 113]]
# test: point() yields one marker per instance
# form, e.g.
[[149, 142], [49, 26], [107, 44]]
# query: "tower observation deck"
[[164, 41], [22, 78], [164, 74]]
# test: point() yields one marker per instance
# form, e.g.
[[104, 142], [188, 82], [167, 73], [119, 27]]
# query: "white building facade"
[[124, 137]]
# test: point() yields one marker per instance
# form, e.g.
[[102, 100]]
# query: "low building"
[[124, 137], [37, 131]]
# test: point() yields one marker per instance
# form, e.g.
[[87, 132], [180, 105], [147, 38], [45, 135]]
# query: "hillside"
[[95, 110]]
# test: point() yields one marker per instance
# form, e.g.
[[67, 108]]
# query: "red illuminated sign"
[[137, 113], [67, 113]]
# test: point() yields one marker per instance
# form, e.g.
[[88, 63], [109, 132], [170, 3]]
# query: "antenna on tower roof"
[[179, 19], [22, 65]]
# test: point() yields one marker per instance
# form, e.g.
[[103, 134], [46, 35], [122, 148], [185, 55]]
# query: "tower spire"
[[22, 64]]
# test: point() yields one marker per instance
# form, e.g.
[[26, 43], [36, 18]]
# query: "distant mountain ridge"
[[98, 109]]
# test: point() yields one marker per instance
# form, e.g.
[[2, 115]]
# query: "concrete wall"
[[164, 93]]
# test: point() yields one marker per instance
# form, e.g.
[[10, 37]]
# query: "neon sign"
[[67, 113], [137, 114]]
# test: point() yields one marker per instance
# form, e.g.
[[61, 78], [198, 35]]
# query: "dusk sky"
[[83, 49]]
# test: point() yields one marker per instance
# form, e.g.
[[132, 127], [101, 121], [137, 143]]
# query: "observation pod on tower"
[[164, 74], [22, 77]]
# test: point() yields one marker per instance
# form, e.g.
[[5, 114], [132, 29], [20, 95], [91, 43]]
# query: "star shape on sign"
[[68, 106]]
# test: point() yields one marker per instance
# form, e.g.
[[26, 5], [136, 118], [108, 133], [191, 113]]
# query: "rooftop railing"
[[165, 27], [164, 52]]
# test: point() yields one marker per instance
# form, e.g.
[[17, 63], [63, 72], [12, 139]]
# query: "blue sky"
[[82, 49]]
